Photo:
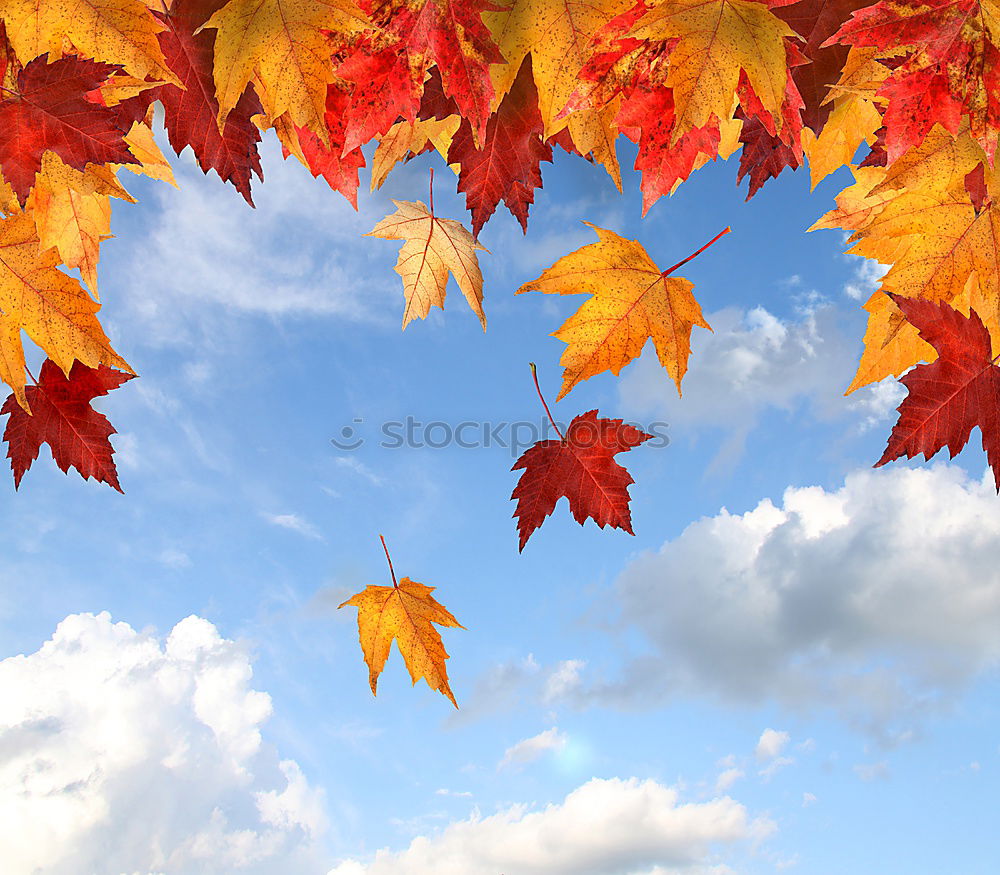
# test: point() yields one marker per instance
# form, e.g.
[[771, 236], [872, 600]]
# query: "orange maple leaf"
[[631, 301], [403, 612]]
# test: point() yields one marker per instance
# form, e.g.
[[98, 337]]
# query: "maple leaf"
[[283, 47], [452, 35], [72, 213], [384, 90], [647, 117], [816, 21], [325, 156], [406, 139], [61, 416], [581, 467], [121, 32], [950, 69], [716, 41], [947, 398], [190, 113], [433, 247], [853, 120], [918, 216], [50, 111], [631, 301], [51, 307], [507, 166], [765, 154], [404, 613], [557, 33]]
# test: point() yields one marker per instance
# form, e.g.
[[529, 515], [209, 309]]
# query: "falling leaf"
[[433, 248], [580, 467], [631, 301], [404, 613]]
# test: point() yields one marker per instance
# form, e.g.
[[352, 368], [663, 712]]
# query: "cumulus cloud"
[[122, 753], [881, 598], [771, 743], [604, 827], [527, 750], [752, 362]]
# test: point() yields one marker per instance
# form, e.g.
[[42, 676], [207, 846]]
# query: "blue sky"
[[790, 667]]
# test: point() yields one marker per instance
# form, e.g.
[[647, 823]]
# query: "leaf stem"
[[393, 573], [432, 193], [534, 373], [697, 252], [34, 379]]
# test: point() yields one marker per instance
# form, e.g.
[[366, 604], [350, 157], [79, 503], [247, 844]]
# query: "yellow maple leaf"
[[918, 217], [51, 307], [405, 137], [433, 247], [152, 162], [114, 31], [404, 613], [71, 215], [715, 40], [12, 358], [281, 46], [631, 301], [852, 122], [940, 238], [556, 33]]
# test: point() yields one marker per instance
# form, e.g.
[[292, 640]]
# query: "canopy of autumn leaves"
[[909, 88]]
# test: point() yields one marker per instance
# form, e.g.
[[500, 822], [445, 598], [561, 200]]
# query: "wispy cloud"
[[294, 523], [530, 749]]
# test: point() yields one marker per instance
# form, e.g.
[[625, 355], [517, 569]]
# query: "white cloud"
[[727, 778], [752, 362], [867, 277], [359, 468], [808, 799], [530, 749], [881, 598], [605, 827], [294, 523], [119, 753], [771, 743], [563, 679], [773, 767]]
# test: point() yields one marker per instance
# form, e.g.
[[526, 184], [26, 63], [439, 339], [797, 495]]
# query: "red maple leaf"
[[340, 170], [580, 467], [61, 416], [816, 21], [451, 35], [50, 110], [190, 115], [975, 185], [647, 117], [951, 67], [507, 167], [946, 398], [383, 92]]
